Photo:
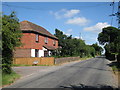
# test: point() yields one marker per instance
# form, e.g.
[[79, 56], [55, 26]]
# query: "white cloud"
[[71, 13], [78, 21], [97, 28], [64, 13], [68, 32], [77, 37]]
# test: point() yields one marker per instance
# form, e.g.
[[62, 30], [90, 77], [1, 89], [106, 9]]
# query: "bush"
[[10, 39], [118, 58], [110, 56]]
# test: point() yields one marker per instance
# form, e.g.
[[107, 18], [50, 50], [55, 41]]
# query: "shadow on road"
[[85, 87]]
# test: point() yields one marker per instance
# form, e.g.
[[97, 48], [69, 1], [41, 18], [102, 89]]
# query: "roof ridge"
[[36, 25], [37, 28], [27, 23]]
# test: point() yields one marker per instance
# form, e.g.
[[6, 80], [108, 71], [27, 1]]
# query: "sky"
[[79, 19]]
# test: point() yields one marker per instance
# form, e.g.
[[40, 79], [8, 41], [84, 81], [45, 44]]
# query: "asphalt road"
[[91, 72]]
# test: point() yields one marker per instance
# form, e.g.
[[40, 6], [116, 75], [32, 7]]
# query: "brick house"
[[37, 41]]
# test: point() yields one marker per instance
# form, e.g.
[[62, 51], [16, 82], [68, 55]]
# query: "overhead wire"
[[97, 5], [113, 6]]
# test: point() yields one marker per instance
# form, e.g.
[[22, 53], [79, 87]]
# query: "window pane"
[[37, 38], [46, 40]]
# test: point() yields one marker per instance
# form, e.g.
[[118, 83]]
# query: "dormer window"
[[46, 40], [37, 38], [54, 42]]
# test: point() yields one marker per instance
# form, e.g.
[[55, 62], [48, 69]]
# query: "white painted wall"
[[32, 52], [49, 53], [41, 53], [44, 49]]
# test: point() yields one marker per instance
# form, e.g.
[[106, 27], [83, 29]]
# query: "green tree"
[[73, 46], [110, 37], [11, 35], [98, 49]]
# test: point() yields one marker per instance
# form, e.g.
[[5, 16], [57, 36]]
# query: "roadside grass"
[[20, 65], [16, 65], [0, 78], [8, 79], [116, 69], [115, 66], [85, 58]]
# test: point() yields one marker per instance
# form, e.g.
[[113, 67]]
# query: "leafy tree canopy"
[[10, 39], [73, 46]]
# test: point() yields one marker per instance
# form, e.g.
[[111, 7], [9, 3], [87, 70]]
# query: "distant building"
[[37, 41]]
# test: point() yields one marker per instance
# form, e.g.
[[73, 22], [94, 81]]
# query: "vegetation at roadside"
[[110, 38], [17, 65], [20, 65], [10, 39], [115, 66], [7, 79], [69, 46], [85, 58]]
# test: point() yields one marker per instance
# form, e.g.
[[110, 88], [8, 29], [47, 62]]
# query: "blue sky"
[[72, 18]]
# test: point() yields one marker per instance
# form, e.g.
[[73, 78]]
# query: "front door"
[[46, 54], [36, 52]]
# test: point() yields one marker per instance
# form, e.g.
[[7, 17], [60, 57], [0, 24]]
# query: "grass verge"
[[86, 58], [17, 65], [8, 79], [116, 69], [115, 66], [20, 65]]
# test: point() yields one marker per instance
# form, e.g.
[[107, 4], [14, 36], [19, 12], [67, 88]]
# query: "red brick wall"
[[22, 53], [29, 41], [50, 42]]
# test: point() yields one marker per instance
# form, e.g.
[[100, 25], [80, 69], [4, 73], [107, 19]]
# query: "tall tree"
[[73, 46], [98, 49], [10, 39], [110, 37]]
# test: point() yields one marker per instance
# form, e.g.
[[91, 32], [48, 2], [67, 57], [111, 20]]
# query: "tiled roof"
[[29, 26], [49, 47]]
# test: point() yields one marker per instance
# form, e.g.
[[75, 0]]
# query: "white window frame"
[[37, 38], [54, 42], [46, 40]]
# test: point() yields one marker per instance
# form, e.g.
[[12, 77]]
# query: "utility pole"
[[118, 14], [112, 4], [79, 35]]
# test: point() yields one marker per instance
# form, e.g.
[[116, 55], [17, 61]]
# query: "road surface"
[[92, 72]]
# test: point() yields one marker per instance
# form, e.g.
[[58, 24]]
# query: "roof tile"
[[29, 26]]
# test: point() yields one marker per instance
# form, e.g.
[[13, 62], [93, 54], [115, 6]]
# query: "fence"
[[43, 60], [34, 60], [66, 59]]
